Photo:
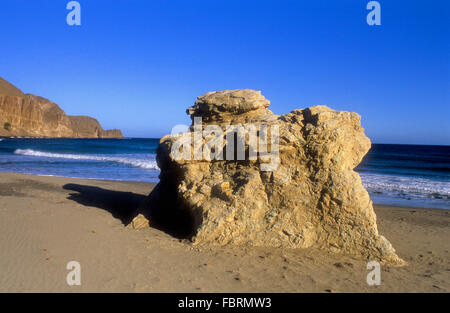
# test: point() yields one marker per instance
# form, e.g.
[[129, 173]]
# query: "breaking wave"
[[406, 187], [136, 162]]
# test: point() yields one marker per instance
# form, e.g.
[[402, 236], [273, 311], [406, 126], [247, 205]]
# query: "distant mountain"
[[28, 115]]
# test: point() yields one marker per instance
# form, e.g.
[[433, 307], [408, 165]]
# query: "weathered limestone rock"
[[314, 198], [139, 222]]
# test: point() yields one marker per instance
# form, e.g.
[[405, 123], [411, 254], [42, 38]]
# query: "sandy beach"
[[48, 221]]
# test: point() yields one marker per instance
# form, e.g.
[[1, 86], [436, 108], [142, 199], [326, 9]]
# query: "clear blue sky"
[[137, 65]]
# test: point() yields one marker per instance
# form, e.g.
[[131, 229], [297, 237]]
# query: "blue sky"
[[137, 65]]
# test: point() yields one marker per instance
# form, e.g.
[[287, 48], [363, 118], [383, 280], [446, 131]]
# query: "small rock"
[[139, 222]]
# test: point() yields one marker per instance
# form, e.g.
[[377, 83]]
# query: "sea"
[[403, 175]]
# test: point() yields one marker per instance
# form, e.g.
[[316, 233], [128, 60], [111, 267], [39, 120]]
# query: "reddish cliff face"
[[85, 126], [29, 115]]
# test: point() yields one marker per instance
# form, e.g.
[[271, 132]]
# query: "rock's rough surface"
[[313, 199], [140, 221], [29, 115]]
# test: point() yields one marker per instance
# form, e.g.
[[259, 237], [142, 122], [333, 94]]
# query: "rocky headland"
[[27, 115]]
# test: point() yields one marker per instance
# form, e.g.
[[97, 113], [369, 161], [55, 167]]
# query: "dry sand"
[[45, 222]]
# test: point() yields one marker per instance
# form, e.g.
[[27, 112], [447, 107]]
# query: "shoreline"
[[45, 222], [82, 178], [136, 181]]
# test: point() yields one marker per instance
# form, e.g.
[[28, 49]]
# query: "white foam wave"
[[136, 162], [406, 186]]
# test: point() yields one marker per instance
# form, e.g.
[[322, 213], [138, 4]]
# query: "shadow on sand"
[[122, 205], [127, 205]]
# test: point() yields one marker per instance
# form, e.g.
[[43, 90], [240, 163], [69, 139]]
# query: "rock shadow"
[[127, 205], [122, 205]]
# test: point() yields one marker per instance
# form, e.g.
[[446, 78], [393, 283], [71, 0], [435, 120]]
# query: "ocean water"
[[409, 175], [111, 159]]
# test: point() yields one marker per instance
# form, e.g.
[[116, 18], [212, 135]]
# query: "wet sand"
[[45, 222]]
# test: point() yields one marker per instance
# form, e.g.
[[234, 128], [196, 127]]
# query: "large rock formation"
[[85, 127], [29, 115], [312, 197]]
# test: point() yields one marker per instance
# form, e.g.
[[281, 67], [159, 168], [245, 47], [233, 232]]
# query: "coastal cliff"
[[28, 115]]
